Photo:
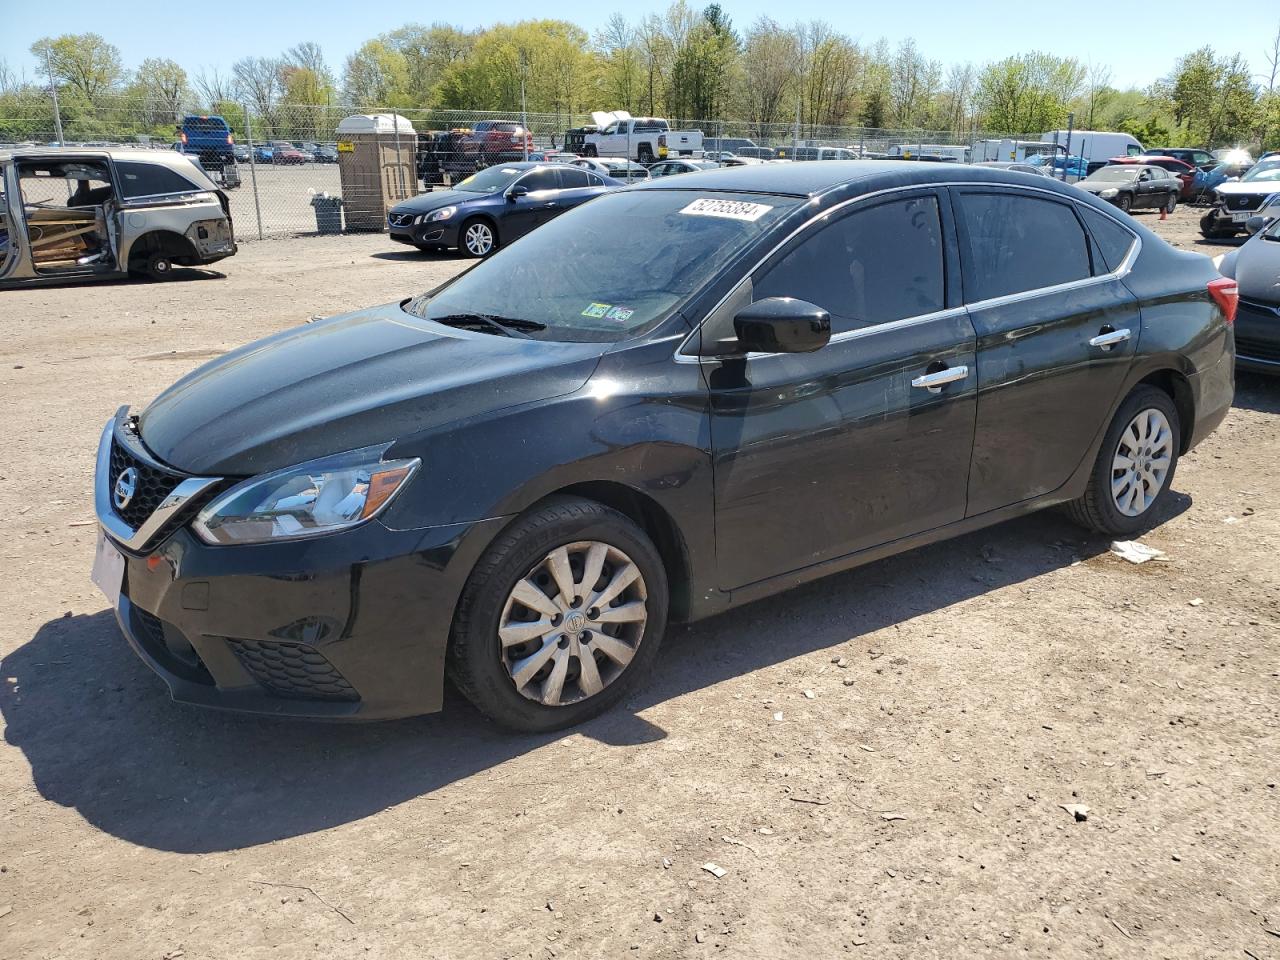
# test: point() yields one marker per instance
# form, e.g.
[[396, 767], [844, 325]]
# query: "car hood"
[[426, 202], [1100, 185], [1250, 188], [351, 381], [1257, 270]]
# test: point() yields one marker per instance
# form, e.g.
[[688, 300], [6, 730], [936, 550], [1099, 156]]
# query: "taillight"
[[1226, 294]]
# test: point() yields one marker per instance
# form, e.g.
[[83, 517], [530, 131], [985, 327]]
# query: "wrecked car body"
[[69, 215]]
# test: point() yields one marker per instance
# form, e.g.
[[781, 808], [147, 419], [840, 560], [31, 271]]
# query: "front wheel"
[[1124, 202], [479, 239], [1135, 465], [561, 617]]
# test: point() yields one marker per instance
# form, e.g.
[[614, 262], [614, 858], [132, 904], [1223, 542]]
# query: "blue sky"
[[216, 33]]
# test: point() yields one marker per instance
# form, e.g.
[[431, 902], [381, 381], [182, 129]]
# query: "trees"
[[768, 89], [1028, 93], [85, 62], [1212, 99]]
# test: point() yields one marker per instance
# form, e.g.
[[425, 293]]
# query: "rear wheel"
[[589, 150], [1171, 204], [645, 154], [561, 618], [1135, 465], [158, 267]]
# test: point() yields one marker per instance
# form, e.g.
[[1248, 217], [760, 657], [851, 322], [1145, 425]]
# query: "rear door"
[[576, 186], [536, 207], [1057, 330], [867, 440]]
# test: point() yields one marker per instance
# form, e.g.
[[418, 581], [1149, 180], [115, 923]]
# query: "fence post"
[[253, 166]]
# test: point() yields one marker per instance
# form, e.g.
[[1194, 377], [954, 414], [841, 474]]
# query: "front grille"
[[400, 219], [153, 486], [1244, 202], [1257, 350], [296, 671]]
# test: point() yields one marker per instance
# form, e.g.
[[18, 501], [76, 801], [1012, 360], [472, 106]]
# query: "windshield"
[[613, 267], [1115, 174], [491, 180], [1263, 172]]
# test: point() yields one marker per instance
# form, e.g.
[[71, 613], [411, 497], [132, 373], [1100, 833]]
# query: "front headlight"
[[322, 496], [1109, 193], [444, 213]]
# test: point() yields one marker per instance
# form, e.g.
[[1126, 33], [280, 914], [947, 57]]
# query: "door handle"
[[1106, 339], [934, 382]]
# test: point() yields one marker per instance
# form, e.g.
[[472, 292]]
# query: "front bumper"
[[1258, 337], [353, 625], [441, 233]]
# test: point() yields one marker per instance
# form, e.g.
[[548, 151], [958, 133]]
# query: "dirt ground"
[[904, 801]]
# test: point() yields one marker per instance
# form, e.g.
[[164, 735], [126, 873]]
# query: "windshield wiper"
[[507, 326]]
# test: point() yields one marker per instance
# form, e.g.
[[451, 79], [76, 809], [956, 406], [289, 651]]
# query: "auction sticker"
[[728, 209]]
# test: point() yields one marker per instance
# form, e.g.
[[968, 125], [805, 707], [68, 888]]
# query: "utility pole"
[[524, 111], [1071, 125], [53, 90]]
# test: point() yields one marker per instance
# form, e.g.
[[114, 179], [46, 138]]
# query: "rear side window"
[[1018, 243], [572, 179], [874, 266], [150, 180], [1112, 241]]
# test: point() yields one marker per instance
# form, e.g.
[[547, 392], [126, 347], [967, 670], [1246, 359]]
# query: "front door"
[[1057, 330], [533, 208], [867, 440]]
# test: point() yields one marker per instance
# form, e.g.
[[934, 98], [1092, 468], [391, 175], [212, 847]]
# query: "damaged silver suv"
[[69, 214]]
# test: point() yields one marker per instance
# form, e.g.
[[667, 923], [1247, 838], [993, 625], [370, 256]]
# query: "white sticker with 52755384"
[[729, 209]]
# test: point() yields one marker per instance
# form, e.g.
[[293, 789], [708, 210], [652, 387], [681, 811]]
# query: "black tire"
[[589, 150], [1096, 509], [475, 658], [644, 154], [462, 238], [1210, 228], [158, 267], [1124, 202], [1171, 204]]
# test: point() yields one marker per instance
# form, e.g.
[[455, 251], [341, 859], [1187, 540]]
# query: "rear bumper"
[[350, 626], [1258, 337], [1213, 391]]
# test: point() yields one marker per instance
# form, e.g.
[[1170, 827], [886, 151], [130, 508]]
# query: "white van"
[[947, 151], [1096, 146], [1015, 151]]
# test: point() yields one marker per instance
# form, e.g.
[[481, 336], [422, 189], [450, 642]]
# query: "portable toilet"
[[376, 165]]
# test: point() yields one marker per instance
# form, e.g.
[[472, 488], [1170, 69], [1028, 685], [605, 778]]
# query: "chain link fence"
[[287, 154]]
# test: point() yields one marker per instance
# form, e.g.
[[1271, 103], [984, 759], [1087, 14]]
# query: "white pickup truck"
[[647, 139]]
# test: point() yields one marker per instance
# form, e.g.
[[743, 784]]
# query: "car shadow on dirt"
[[1257, 392], [102, 736]]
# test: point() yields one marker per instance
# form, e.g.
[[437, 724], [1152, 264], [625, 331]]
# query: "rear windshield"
[[614, 266], [205, 123]]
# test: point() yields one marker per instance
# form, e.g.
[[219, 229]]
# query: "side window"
[[573, 179], [150, 180], [544, 178], [875, 265], [1113, 241], [1019, 243]]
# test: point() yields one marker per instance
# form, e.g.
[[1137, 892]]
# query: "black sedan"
[[670, 168], [494, 206], [680, 397], [1134, 186]]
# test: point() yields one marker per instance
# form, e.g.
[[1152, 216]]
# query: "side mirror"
[[782, 325], [1255, 224], [516, 192]]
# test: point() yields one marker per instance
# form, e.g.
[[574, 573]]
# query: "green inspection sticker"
[[597, 310]]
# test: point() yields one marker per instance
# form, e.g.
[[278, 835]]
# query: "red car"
[[1179, 168], [282, 152], [495, 141]]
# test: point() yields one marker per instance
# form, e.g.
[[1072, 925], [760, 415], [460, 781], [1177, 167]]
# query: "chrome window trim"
[[1120, 272], [115, 527]]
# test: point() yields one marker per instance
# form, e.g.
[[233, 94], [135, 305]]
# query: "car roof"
[[844, 177], [172, 159]]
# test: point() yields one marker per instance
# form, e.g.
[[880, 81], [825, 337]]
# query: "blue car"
[[263, 153], [493, 207], [1075, 166]]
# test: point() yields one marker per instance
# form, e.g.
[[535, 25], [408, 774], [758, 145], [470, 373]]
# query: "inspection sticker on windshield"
[[729, 209], [607, 311]]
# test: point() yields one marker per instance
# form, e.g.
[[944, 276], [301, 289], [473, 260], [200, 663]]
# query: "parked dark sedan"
[[1256, 268], [1132, 186], [494, 206], [683, 396]]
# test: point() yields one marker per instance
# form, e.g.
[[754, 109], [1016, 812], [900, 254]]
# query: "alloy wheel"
[[479, 239], [572, 624], [1141, 463]]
